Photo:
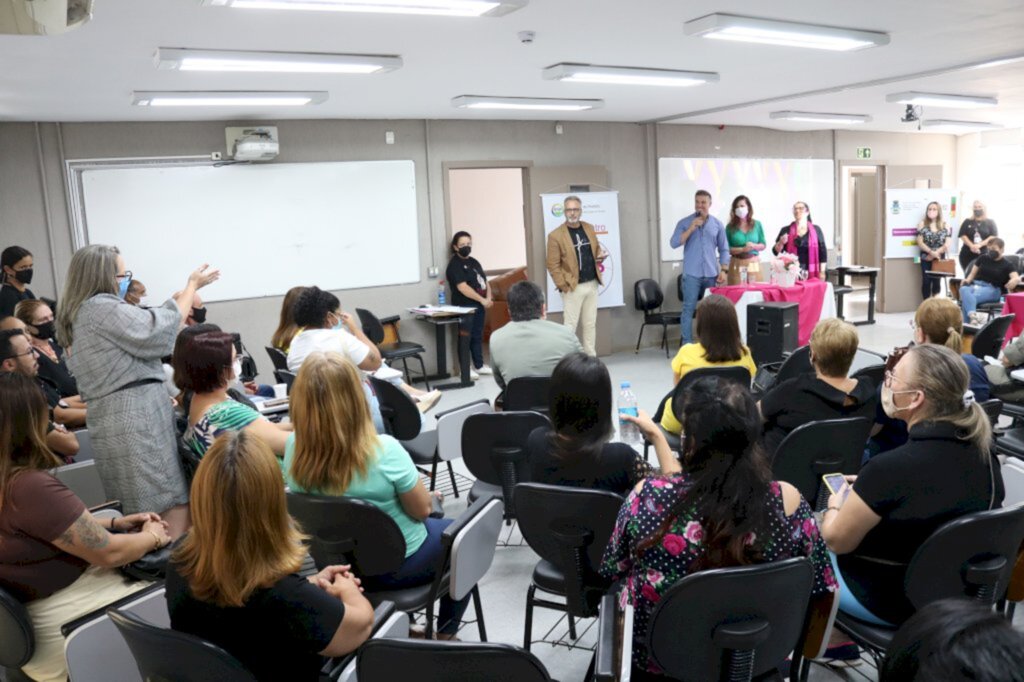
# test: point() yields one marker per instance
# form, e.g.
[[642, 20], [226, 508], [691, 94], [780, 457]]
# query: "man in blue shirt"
[[702, 236]]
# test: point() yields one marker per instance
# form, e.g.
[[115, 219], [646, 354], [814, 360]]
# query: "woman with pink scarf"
[[808, 244]]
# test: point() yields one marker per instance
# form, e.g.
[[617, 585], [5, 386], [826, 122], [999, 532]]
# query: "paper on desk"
[[435, 309]]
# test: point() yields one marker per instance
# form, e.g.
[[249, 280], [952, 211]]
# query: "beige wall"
[[488, 203]]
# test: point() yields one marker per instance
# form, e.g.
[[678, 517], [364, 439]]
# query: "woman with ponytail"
[[945, 470], [722, 510]]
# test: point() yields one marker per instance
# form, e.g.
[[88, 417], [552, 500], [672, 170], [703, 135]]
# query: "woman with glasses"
[[899, 498], [114, 351], [805, 240]]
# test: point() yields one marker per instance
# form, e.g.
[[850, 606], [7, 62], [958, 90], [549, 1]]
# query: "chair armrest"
[[453, 529], [390, 320], [387, 624], [614, 653], [483, 401], [436, 510], [113, 505], [821, 614]]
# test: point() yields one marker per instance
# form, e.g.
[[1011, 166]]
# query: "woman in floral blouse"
[[933, 239], [722, 510]]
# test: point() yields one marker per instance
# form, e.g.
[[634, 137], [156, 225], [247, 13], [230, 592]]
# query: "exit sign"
[[863, 152]]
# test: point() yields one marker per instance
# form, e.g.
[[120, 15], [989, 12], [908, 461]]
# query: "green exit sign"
[[863, 152]]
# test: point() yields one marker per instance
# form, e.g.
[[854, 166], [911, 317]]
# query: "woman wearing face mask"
[[205, 366], [16, 263], [746, 241], [976, 232], [470, 288], [806, 243], [933, 240], [114, 350], [38, 319], [944, 471]]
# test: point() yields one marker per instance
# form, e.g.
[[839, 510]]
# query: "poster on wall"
[[600, 209], [904, 210], [771, 185]]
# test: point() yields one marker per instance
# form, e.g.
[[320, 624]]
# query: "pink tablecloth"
[[810, 295], [1014, 304]]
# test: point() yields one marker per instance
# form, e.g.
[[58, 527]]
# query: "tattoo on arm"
[[87, 533]]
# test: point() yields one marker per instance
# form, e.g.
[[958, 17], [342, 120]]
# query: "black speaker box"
[[773, 328]]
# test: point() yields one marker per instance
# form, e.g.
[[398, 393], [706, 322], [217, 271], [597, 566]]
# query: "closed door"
[[866, 227]]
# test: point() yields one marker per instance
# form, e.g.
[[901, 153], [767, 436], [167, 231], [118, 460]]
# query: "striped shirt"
[[228, 415]]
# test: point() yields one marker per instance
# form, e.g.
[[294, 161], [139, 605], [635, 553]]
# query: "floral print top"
[[934, 240], [649, 576]]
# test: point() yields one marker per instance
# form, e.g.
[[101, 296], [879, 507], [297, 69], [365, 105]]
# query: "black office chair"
[[283, 376], [395, 659], [972, 556], [527, 394], [277, 358], [731, 624], [402, 419], [17, 637], [648, 299], [989, 339], [796, 363], [172, 656], [672, 438], [734, 374], [399, 350], [874, 373], [823, 447], [569, 528], [494, 450], [993, 408]]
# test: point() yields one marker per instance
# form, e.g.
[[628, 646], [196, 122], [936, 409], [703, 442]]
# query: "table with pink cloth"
[[816, 299], [1014, 304]]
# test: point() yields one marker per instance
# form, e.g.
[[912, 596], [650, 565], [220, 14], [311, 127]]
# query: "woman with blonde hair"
[[55, 556], [233, 579], [899, 498], [336, 451], [933, 237], [287, 328]]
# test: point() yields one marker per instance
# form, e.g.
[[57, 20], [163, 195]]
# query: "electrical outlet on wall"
[[432, 271]]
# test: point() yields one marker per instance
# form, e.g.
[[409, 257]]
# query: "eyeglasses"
[[127, 274], [31, 351], [891, 377], [574, 210]]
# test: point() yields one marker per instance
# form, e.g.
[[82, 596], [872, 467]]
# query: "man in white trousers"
[[573, 261]]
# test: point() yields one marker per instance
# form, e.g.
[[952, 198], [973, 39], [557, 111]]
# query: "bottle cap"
[[624, 384]]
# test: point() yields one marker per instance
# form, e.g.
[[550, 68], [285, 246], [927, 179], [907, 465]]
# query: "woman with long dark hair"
[[470, 288], [746, 241], [722, 510], [16, 275], [577, 451]]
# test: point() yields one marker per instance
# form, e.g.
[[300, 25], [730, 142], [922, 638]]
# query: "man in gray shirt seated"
[[529, 345]]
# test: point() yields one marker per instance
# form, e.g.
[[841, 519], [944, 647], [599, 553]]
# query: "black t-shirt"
[[807, 398], [803, 246], [57, 372], [915, 488], [584, 254], [10, 297], [995, 272], [276, 635], [466, 270], [617, 470], [50, 391]]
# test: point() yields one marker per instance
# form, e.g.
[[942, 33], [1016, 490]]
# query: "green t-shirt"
[[739, 238], [391, 474], [228, 415]]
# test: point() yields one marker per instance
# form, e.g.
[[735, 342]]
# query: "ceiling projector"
[[256, 147]]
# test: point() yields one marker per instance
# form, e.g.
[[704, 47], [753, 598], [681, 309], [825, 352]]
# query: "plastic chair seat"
[[422, 448], [662, 318], [481, 489], [547, 577], [406, 599], [876, 636], [401, 349]]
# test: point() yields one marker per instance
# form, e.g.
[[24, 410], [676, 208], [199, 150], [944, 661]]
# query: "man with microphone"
[[705, 257]]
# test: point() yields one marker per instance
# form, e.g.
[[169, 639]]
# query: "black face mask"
[[45, 330], [465, 251], [24, 276], [199, 315], [977, 214]]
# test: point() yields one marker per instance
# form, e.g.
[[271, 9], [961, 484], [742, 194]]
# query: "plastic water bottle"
[[442, 298], [743, 276], [629, 433]]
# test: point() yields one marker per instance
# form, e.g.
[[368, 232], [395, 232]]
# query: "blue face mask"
[[122, 287], [339, 325]]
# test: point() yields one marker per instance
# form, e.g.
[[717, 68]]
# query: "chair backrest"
[[822, 447], [85, 450], [660, 412], [83, 479], [735, 374], [647, 295], [344, 530], [494, 449], [17, 636], [1013, 481], [393, 659], [528, 394], [873, 373], [277, 358], [401, 416], [989, 339], [569, 527], [972, 556], [449, 428], [865, 358], [473, 541], [283, 376], [371, 325], [169, 655], [993, 408], [759, 609], [796, 363]]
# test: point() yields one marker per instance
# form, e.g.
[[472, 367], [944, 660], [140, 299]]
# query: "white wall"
[[994, 175]]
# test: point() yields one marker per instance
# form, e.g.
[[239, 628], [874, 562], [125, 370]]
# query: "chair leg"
[[479, 613], [572, 627], [451, 475], [433, 475], [430, 621], [664, 338], [405, 368], [528, 632], [423, 372], [639, 337]]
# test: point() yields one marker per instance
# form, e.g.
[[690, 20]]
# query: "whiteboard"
[[772, 185], [266, 227]]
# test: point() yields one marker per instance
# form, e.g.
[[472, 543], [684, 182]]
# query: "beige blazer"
[[561, 261]]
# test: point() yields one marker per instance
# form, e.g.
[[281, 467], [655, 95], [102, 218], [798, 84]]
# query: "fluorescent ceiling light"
[[626, 75], [964, 126], [199, 98], [938, 100], [815, 117], [525, 103], [451, 8], [788, 33], [272, 62]]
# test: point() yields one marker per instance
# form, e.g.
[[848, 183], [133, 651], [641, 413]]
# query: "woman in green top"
[[336, 451], [205, 366], [746, 241]]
